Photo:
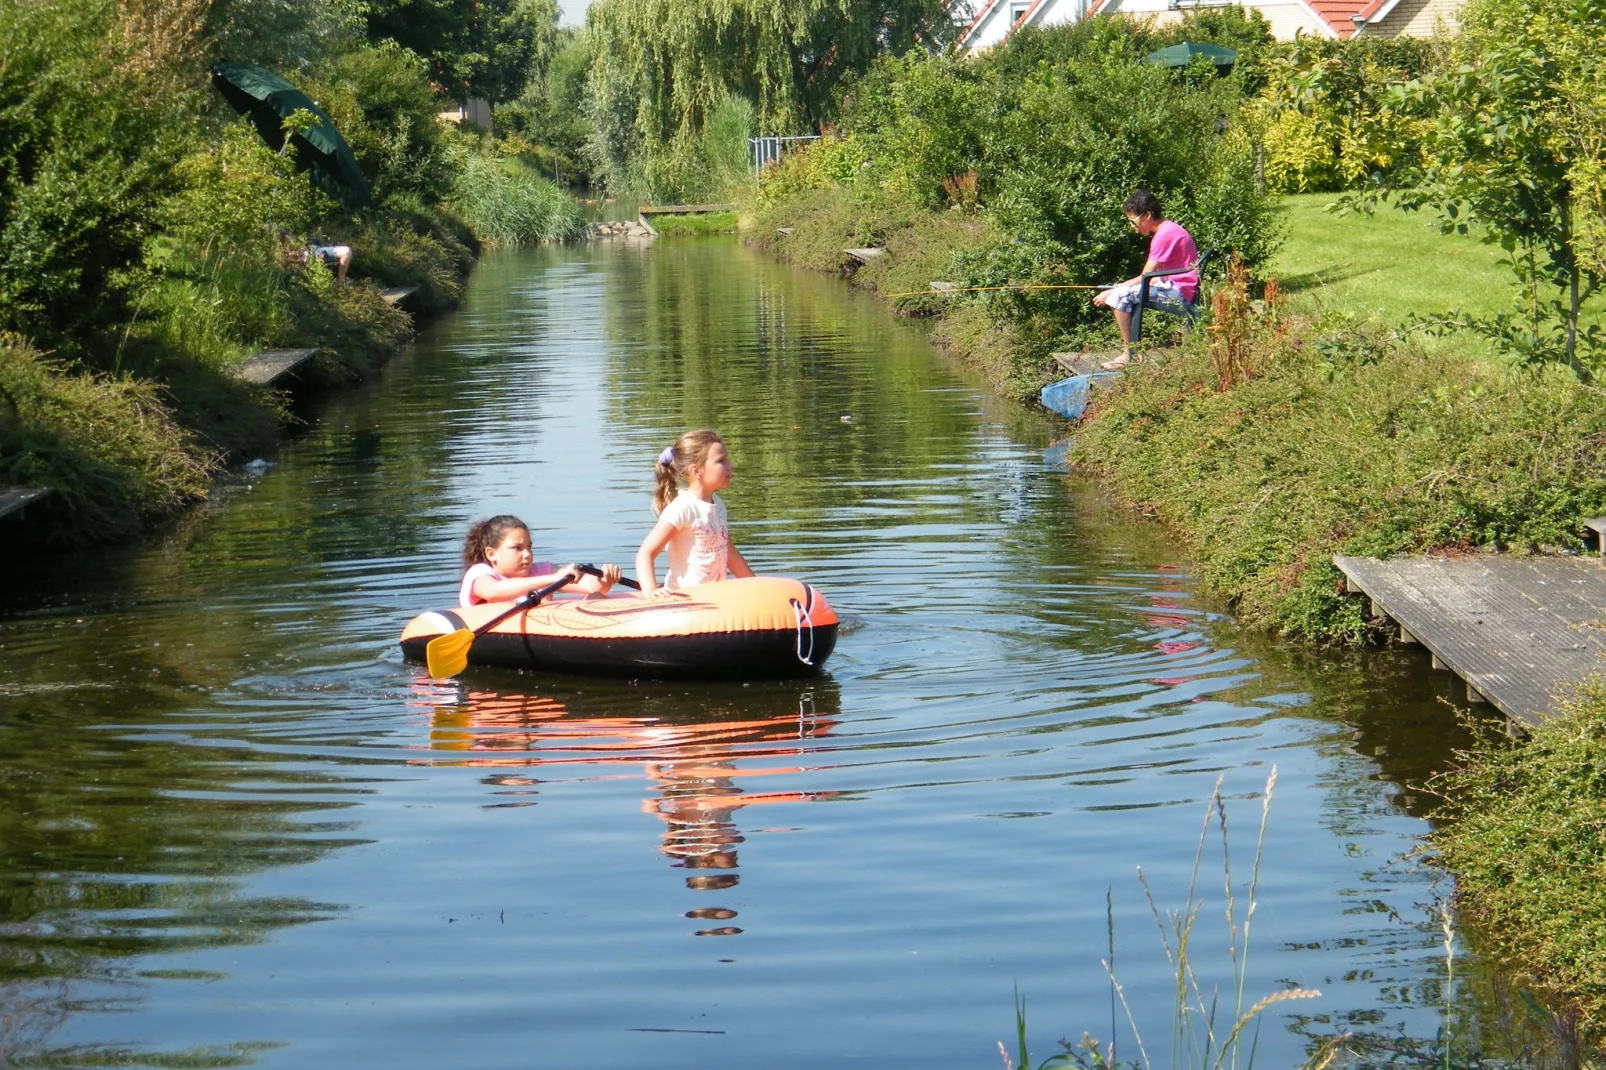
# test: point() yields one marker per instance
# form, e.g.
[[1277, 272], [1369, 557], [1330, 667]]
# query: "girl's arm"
[[490, 589], [736, 562], [647, 556]]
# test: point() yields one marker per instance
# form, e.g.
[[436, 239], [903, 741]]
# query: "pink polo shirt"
[[1172, 247]]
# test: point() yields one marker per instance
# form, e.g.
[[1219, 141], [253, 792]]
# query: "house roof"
[[1345, 18], [981, 13], [1341, 15]]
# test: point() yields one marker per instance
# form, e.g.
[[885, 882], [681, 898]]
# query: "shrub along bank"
[[1325, 438], [1011, 169], [1525, 830], [150, 241]]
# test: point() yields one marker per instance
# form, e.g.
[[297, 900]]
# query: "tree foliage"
[[663, 66], [1515, 152], [87, 134], [474, 48]]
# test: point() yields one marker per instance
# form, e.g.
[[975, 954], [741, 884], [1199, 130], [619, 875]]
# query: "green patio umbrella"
[[1183, 54], [266, 99]]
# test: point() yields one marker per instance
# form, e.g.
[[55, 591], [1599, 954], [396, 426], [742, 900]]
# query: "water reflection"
[[701, 768]]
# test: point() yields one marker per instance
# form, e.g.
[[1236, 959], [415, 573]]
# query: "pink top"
[[1172, 247], [465, 594]]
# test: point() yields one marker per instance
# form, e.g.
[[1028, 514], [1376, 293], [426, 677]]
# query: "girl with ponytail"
[[691, 521]]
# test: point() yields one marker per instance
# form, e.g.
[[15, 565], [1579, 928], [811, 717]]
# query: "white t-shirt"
[[701, 543], [465, 594]]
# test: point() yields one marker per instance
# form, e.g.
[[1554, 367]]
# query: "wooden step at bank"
[[1519, 631], [269, 366], [397, 294], [864, 256], [13, 500]]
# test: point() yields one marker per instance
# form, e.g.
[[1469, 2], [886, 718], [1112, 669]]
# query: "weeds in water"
[[1210, 1029]]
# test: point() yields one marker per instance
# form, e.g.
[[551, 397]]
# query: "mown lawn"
[[1392, 266]]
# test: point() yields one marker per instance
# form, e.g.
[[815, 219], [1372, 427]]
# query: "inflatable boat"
[[761, 627]]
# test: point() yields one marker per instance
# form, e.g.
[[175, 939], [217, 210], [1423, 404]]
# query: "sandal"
[[1126, 358]]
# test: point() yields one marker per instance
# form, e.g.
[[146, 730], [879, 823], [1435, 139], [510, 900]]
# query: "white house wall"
[[1286, 20]]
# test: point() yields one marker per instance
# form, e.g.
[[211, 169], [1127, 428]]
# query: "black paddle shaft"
[[624, 581], [529, 601]]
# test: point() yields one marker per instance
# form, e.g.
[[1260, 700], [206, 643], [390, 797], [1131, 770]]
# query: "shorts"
[[331, 254], [1163, 296]]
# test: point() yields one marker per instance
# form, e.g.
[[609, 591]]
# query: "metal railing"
[[763, 151]]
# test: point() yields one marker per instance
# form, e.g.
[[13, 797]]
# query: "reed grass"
[[508, 203]]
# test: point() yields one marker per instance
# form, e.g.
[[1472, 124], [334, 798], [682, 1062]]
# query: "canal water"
[[237, 828]]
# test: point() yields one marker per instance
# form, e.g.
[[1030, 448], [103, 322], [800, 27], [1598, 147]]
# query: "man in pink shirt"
[[1170, 247]]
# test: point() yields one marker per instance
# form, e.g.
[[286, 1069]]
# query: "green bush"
[[1327, 115], [85, 158], [550, 116], [1047, 137], [508, 203], [1524, 829], [383, 104]]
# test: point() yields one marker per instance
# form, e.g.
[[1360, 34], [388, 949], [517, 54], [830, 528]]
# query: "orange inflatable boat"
[[735, 629]]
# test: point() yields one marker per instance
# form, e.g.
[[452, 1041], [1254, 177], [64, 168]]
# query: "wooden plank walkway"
[[1517, 630], [684, 209], [16, 499], [271, 365]]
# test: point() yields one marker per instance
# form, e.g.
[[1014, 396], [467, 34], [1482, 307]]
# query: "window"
[[1018, 9]]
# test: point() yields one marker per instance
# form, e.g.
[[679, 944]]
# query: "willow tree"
[[664, 66]]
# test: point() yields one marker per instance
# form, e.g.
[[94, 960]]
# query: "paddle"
[[447, 655]]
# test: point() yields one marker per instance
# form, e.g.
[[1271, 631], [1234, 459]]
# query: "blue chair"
[[1143, 293]]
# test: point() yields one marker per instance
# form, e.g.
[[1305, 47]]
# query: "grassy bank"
[[1345, 442], [693, 225], [1389, 267], [920, 246], [1407, 443]]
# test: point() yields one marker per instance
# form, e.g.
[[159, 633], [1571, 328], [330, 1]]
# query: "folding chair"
[[1191, 308]]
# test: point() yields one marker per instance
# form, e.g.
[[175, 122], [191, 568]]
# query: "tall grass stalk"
[[1201, 1037]]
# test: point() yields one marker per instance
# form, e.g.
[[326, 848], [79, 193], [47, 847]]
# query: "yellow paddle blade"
[[447, 655]]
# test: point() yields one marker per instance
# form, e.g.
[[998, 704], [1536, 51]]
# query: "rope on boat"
[[802, 619]]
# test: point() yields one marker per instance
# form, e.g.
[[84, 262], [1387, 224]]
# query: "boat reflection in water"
[[699, 771]]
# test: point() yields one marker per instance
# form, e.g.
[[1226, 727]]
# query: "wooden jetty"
[[269, 366], [684, 209], [864, 256], [397, 294], [1517, 630], [13, 500]]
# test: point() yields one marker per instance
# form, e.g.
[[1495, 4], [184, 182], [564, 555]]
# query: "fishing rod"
[[1010, 286]]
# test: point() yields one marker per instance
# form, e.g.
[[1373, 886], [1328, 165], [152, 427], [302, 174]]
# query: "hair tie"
[[667, 457]]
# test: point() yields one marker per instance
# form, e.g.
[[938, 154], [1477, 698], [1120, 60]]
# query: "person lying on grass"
[[1170, 247]]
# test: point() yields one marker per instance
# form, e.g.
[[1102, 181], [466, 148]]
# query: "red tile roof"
[[1338, 13]]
